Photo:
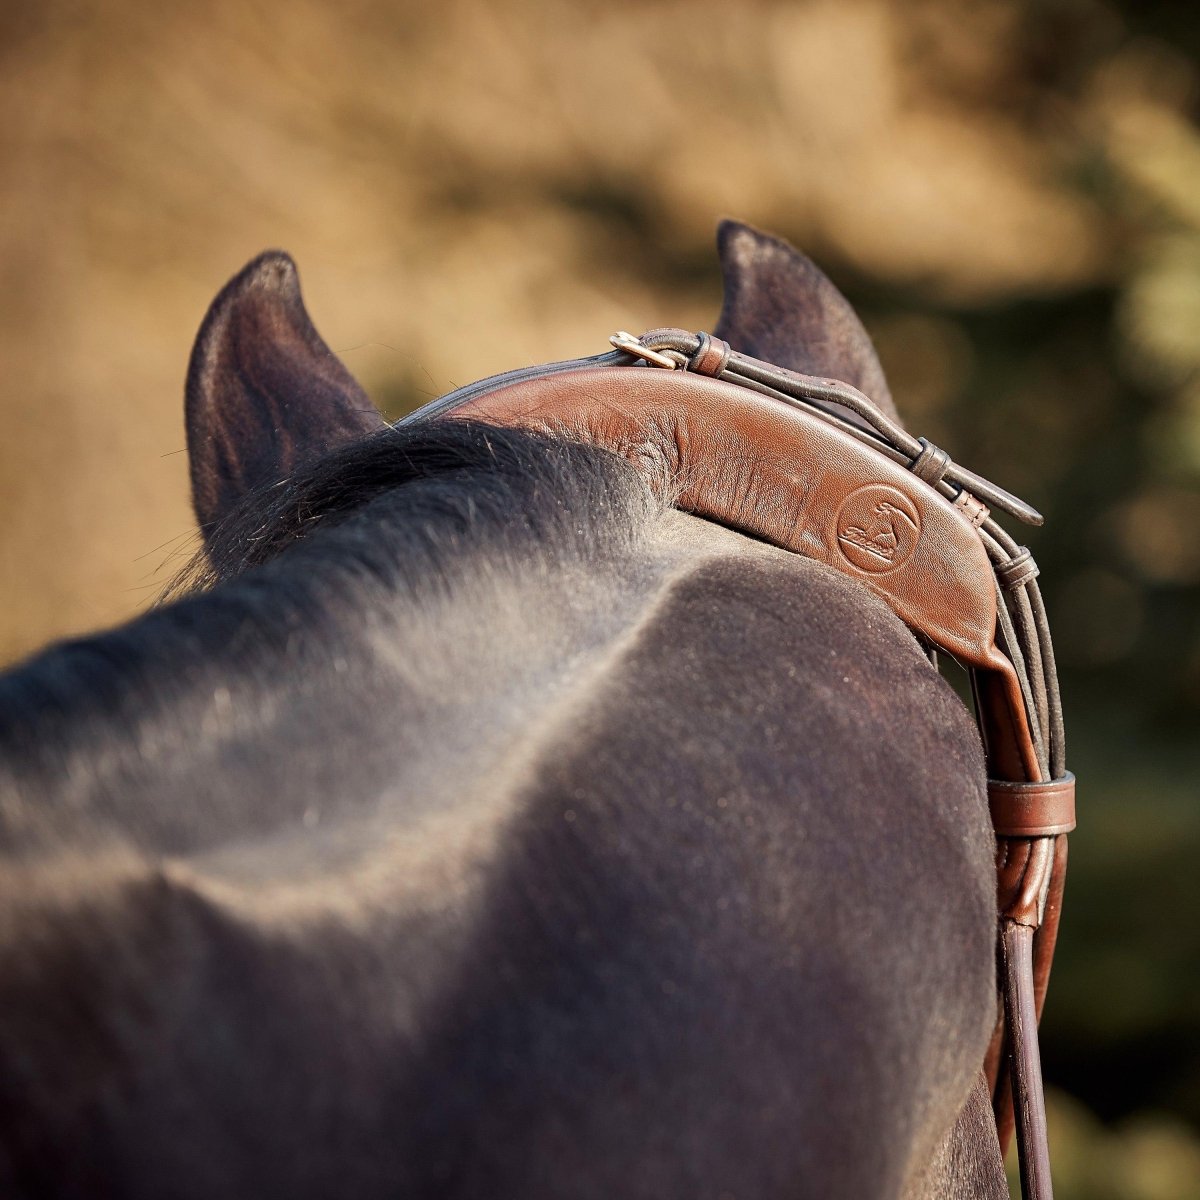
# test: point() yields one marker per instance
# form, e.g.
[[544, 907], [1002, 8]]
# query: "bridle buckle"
[[628, 344]]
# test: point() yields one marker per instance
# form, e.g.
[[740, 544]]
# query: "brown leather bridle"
[[812, 465]]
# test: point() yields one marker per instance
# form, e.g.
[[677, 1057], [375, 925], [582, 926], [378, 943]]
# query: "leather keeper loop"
[[930, 465], [711, 357], [1030, 810], [1017, 572]]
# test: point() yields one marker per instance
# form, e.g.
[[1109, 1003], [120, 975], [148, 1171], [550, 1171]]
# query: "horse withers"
[[478, 824]]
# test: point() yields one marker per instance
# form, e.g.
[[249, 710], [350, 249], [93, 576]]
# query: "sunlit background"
[[1008, 190]]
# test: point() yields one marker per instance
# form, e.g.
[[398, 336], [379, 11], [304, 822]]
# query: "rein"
[[812, 465]]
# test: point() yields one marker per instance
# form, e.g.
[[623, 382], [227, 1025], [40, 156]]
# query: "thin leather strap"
[[1025, 1061]]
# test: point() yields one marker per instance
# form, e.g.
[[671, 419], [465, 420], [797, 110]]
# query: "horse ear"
[[264, 393], [780, 307]]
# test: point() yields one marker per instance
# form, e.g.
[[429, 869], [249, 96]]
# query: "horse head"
[[486, 824]]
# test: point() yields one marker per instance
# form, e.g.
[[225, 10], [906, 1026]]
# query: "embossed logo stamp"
[[877, 528]]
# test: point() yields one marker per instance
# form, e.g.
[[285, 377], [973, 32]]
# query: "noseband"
[[812, 465]]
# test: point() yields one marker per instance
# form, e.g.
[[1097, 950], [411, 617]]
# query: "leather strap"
[[1032, 810], [812, 465], [1025, 1062]]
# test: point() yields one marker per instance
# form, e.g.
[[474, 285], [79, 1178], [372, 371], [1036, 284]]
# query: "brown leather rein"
[[814, 466]]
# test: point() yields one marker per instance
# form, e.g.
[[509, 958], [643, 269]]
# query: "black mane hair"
[[429, 485]]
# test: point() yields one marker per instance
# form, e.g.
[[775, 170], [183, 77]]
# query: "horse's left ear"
[[264, 393], [781, 307]]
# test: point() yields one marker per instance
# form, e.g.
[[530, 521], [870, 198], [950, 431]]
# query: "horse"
[[472, 821]]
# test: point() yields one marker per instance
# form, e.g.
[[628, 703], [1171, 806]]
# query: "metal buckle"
[[628, 344]]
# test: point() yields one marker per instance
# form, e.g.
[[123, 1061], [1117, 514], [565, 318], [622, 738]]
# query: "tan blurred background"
[[1009, 191]]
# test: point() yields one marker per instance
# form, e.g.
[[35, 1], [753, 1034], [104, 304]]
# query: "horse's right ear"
[[781, 307], [264, 393]]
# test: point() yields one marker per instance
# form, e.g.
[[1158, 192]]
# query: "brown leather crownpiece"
[[784, 474], [1026, 810]]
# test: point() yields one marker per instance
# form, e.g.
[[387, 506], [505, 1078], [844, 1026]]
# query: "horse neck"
[[215, 719], [429, 821]]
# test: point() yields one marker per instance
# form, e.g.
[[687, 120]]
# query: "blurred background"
[[1009, 191]]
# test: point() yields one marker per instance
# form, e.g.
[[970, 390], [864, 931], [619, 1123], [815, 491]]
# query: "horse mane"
[[426, 487], [399, 518]]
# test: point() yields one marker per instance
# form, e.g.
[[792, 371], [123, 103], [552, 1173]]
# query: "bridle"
[[815, 467]]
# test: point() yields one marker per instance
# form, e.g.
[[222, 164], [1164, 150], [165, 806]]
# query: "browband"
[[812, 465]]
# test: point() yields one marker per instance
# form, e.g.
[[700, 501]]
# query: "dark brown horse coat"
[[487, 830]]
